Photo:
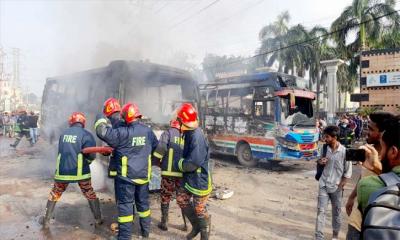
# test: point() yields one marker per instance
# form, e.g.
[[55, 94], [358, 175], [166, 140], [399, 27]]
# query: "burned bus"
[[260, 116], [158, 90]]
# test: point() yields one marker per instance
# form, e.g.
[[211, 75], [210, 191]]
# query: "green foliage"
[[366, 111]]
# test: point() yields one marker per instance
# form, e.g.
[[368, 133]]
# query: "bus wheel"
[[245, 157]]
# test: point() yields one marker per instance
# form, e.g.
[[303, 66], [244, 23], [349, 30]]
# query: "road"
[[271, 201]]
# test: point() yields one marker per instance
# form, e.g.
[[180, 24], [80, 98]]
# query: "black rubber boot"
[[163, 225], [194, 220], [45, 220], [204, 225], [145, 234], [15, 144], [95, 207]]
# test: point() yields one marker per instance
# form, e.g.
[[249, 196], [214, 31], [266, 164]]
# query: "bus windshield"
[[301, 115]]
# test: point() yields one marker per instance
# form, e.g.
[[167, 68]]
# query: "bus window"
[[240, 105], [264, 110]]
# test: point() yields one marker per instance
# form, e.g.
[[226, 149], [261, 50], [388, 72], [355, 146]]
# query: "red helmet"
[[187, 115], [130, 112], [175, 124], [111, 106], [77, 117]]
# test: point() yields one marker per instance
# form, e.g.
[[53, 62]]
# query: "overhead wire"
[[305, 41], [195, 14], [223, 20]]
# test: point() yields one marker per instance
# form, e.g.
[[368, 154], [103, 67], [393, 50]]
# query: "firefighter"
[[112, 110], [73, 166], [169, 151], [133, 145], [196, 185], [346, 133], [23, 125]]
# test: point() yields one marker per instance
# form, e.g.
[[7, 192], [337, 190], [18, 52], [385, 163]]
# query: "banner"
[[383, 79]]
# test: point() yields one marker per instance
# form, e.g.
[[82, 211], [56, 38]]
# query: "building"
[[10, 97], [380, 80]]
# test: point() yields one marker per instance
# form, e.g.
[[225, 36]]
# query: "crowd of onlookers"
[[352, 127], [372, 206], [19, 124]]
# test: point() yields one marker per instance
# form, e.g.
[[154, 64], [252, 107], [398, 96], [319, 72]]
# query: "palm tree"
[[278, 35], [320, 50], [364, 17], [272, 37]]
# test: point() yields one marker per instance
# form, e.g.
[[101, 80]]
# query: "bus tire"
[[245, 156]]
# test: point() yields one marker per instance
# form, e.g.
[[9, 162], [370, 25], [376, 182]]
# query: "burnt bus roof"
[[135, 68], [274, 79]]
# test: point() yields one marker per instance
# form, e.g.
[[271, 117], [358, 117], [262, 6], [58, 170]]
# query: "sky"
[[57, 37]]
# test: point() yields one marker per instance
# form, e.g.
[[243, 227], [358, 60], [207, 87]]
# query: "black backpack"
[[381, 218], [320, 168]]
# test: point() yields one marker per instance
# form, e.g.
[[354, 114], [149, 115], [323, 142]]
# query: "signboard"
[[359, 97], [383, 79]]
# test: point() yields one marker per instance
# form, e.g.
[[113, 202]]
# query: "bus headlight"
[[289, 144]]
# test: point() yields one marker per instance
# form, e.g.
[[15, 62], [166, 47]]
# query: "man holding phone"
[[386, 161], [333, 178], [376, 125]]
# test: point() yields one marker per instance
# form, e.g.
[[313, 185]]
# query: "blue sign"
[[382, 79]]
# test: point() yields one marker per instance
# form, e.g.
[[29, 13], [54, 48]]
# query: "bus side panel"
[[261, 148]]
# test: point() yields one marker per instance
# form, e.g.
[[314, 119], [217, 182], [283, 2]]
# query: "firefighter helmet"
[[130, 112], [187, 116], [77, 117], [111, 106]]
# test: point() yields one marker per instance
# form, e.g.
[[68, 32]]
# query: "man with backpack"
[[378, 196], [376, 126], [334, 176]]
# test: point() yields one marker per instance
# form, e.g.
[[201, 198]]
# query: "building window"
[[365, 64], [363, 81]]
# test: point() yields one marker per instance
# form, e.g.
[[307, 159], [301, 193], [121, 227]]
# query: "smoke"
[[92, 34]]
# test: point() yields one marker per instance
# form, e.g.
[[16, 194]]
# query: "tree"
[[280, 44], [272, 37], [321, 50], [364, 17]]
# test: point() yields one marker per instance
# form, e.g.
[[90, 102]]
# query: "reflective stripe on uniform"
[[180, 163], [149, 167], [199, 192], [170, 159], [80, 164], [100, 121], [113, 173], [58, 165], [142, 181], [77, 177], [157, 155], [125, 219], [124, 166], [169, 171], [171, 174], [198, 170], [144, 214]]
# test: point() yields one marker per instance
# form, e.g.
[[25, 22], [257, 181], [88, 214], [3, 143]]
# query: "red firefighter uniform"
[[73, 166], [169, 150], [196, 185], [133, 146]]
